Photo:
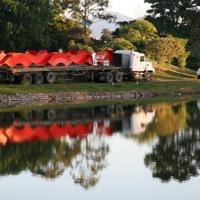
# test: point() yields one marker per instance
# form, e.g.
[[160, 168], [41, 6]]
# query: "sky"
[[130, 8]]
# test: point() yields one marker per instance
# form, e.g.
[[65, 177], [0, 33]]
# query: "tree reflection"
[[177, 156], [86, 166], [48, 159]]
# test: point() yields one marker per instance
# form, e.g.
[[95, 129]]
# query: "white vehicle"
[[139, 67], [198, 73]]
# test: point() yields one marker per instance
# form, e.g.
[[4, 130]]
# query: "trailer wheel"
[[119, 77], [148, 77], [17, 79], [39, 78], [51, 115], [109, 77], [27, 78], [51, 77]]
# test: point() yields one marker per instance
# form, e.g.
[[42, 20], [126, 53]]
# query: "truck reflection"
[[42, 125]]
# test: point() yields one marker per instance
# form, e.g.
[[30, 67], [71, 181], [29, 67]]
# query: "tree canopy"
[[180, 18], [25, 24]]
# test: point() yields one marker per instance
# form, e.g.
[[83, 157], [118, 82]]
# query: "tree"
[[122, 44], [137, 32], [87, 12], [106, 35], [173, 16], [168, 50], [180, 18], [25, 24]]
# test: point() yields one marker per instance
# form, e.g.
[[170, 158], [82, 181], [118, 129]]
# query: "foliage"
[[136, 30], [78, 46], [63, 30], [106, 35], [180, 18], [122, 44], [88, 11], [25, 24], [167, 50]]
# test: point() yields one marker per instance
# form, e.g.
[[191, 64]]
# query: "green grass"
[[155, 86]]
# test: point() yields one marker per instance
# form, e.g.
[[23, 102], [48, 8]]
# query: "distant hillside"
[[100, 25]]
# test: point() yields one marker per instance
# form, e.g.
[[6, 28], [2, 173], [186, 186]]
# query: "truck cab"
[[135, 62]]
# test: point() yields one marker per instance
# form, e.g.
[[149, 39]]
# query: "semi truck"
[[44, 67]]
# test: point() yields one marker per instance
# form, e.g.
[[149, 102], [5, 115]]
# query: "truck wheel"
[[109, 77], [17, 79], [148, 77], [51, 77], [27, 78], [39, 78], [119, 77], [51, 115]]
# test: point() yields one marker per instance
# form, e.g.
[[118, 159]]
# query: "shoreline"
[[82, 97]]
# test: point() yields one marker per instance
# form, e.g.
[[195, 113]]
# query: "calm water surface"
[[101, 152]]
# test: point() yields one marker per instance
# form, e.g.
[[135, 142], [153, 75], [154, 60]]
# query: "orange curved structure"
[[53, 59]]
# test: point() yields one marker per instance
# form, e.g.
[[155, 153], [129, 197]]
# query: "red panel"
[[59, 59]]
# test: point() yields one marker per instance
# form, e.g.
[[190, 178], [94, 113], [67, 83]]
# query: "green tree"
[[87, 12], [137, 32], [180, 18], [168, 50], [106, 35], [122, 44], [25, 24]]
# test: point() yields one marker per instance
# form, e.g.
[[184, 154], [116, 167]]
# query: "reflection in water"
[[47, 142], [177, 155]]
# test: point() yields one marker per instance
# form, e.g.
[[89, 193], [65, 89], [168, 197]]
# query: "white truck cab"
[[137, 62]]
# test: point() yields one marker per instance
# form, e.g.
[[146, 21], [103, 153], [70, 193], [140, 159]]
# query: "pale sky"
[[130, 8]]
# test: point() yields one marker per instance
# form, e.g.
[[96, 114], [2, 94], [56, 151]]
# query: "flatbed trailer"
[[49, 74]]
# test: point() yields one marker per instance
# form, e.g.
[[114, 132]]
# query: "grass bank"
[[160, 87], [167, 79]]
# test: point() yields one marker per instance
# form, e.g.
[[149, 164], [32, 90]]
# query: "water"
[[117, 151]]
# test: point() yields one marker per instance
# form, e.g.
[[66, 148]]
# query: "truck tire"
[[148, 77], [17, 79], [27, 78], [119, 77], [39, 78], [109, 77], [51, 77], [51, 115]]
